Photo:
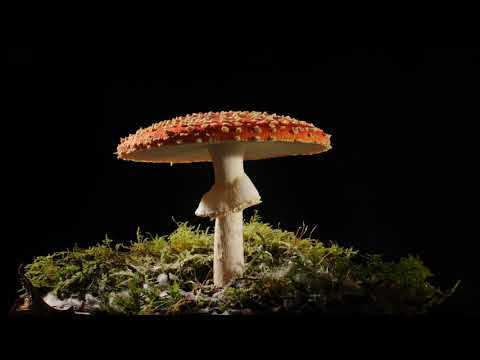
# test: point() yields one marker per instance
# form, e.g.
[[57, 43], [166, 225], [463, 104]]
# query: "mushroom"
[[226, 139]]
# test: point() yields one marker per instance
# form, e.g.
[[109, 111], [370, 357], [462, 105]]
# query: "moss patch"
[[285, 272]]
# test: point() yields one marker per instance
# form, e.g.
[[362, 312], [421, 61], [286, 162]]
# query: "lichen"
[[285, 272]]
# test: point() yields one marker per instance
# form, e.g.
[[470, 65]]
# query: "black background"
[[399, 179]]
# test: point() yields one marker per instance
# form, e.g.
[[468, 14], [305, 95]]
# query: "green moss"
[[285, 271], [148, 245], [190, 238]]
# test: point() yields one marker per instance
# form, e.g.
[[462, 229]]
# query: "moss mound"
[[286, 272]]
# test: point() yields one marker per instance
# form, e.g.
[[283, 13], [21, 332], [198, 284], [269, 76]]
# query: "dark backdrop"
[[397, 181]]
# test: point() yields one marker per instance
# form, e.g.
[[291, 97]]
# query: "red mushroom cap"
[[185, 139]]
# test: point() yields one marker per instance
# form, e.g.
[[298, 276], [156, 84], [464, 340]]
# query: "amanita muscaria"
[[226, 139]]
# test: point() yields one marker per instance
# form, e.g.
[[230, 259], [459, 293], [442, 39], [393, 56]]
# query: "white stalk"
[[232, 192], [228, 257]]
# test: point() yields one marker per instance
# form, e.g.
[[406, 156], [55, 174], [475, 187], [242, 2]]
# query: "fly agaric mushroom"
[[226, 139]]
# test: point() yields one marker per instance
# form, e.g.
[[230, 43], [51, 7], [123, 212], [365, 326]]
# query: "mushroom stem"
[[228, 257], [232, 192], [227, 162]]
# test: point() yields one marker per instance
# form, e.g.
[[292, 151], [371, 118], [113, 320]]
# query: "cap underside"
[[193, 152]]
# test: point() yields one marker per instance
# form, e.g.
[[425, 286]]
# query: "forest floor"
[[285, 273]]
